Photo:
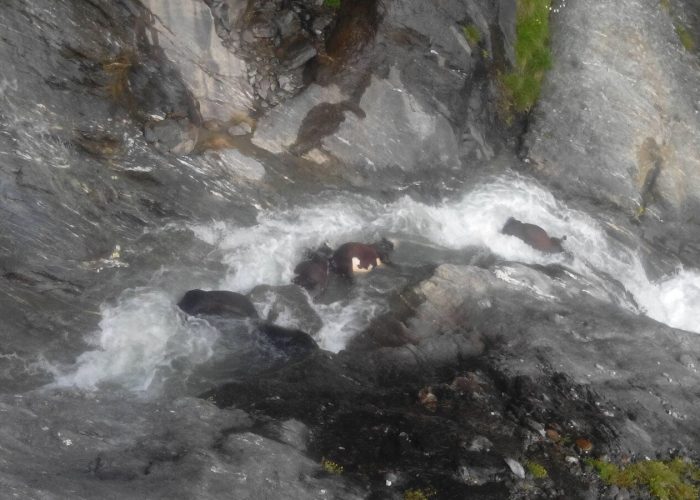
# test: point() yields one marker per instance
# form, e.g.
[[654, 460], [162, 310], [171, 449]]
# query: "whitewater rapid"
[[143, 333]]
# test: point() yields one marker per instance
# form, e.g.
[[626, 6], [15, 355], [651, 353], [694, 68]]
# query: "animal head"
[[384, 247], [556, 244]]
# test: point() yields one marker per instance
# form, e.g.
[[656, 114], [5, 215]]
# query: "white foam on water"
[[342, 320], [144, 332], [477, 219], [674, 300], [479, 216], [268, 251], [141, 334]]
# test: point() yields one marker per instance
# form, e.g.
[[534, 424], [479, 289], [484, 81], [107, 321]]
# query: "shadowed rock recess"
[[151, 147]]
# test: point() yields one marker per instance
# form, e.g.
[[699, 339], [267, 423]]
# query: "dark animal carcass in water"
[[312, 273], [352, 258], [217, 303], [533, 235]]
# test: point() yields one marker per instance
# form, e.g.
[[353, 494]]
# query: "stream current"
[[143, 333], [125, 411]]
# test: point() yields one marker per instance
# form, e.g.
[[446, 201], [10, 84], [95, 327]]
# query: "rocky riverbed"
[[148, 148]]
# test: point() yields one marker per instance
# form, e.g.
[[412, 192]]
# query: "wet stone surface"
[[511, 391], [156, 147]]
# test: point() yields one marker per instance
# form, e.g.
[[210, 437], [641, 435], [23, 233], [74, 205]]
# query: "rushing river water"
[[144, 332]]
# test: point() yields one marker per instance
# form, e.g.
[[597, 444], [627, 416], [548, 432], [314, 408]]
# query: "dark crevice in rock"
[[354, 29]]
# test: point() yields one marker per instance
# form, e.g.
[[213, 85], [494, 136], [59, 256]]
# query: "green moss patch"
[[331, 467], [472, 34], [685, 37], [675, 479], [419, 494], [537, 471], [333, 4], [521, 86]]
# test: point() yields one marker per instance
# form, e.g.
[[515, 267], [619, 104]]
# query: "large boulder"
[[539, 321], [479, 370], [278, 130], [176, 136], [394, 130]]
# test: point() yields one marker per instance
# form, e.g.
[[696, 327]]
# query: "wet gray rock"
[[242, 128], [154, 89], [415, 99], [407, 444], [278, 129], [288, 23], [176, 136], [449, 79], [515, 467], [275, 40], [226, 13], [618, 117], [298, 55], [189, 448], [442, 26], [263, 30], [292, 432], [628, 361], [286, 305], [321, 23], [216, 76], [507, 13], [240, 165], [395, 131]]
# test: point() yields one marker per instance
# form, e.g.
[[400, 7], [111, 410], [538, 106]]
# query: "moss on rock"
[[675, 479], [521, 86]]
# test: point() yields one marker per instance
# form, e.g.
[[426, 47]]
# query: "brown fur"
[[312, 275], [533, 235], [312, 272]]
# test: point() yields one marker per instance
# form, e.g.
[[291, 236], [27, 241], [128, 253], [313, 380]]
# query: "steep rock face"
[[416, 94], [79, 185], [618, 116], [215, 75], [395, 130], [279, 129]]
